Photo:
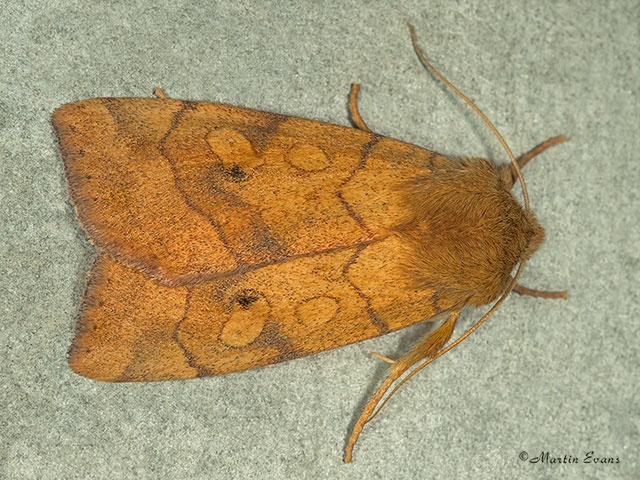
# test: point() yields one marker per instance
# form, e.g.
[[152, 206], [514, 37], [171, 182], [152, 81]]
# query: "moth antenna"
[[425, 348], [372, 408], [477, 110], [445, 350]]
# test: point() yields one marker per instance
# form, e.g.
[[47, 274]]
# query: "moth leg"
[[537, 293], [382, 357], [159, 93], [427, 348], [507, 172], [353, 108]]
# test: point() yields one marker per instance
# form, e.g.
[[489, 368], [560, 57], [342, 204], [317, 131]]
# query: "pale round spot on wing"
[[233, 149], [308, 158], [250, 311], [317, 310]]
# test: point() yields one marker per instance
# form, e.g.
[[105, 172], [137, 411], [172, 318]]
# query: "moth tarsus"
[[353, 108]]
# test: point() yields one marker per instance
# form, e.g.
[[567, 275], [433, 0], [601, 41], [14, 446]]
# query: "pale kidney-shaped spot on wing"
[[236, 153], [317, 310], [250, 311], [308, 158]]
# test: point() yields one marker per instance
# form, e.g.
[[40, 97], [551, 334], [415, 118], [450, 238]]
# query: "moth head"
[[466, 231]]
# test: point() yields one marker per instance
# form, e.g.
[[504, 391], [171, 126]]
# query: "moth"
[[232, 238]]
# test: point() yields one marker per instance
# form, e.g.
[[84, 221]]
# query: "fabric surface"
[[556, 376]]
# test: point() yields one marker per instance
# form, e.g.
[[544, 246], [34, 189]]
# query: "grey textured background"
[[541, 375]]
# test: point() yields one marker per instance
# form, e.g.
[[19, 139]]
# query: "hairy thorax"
[[466, 232]]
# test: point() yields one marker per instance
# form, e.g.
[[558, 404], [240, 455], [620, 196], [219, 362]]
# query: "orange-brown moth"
[[232, 238]]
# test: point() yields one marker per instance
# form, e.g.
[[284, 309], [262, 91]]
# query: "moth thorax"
[[466, 232]]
